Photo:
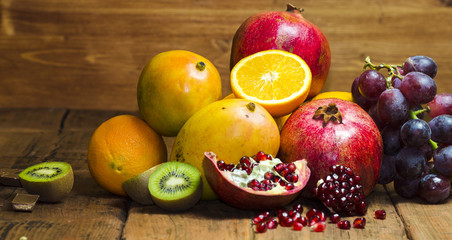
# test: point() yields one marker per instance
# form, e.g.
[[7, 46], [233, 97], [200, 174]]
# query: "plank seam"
[[407, 233], [62, 121]]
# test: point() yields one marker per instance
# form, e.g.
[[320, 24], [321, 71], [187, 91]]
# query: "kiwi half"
[[137, 187], [52, 181], [175, 186]]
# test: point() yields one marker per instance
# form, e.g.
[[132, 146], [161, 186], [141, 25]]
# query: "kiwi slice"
[[175, 186], [137, 187], [52, 181]]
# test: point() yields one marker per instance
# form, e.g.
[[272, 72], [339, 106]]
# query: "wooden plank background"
[[88, 54], [67, 66]]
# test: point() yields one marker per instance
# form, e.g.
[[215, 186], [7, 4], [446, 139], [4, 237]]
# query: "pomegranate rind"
[[246, 198]]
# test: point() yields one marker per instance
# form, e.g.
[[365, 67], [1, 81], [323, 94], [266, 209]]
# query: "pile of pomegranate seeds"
[[315, 219], [283, 174], [342, 192]]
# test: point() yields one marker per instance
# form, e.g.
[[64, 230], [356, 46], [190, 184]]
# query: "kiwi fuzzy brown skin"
[[178, 203], [137, 187], [53, 189]]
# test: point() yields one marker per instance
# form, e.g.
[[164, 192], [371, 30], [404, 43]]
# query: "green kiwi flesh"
[[175, 186], [137, 187], [52, 181]]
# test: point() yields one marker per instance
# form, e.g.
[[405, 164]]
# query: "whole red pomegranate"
[[289, 31], [329, 132]]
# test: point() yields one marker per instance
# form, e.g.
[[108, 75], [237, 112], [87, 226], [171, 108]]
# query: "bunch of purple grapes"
[[417, 154]]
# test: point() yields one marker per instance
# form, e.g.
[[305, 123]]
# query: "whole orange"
[[123, 147], [173, 86]]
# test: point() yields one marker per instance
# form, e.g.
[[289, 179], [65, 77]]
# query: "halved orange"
[[278, 80]]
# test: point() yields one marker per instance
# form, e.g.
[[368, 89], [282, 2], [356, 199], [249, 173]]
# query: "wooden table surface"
[[67, 66], [29, 136]]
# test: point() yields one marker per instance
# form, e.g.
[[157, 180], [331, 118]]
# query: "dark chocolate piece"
[[24, 202], [10, 177]]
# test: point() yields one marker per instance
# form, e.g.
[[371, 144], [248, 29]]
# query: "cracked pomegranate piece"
[[258, 182], [341, 192]]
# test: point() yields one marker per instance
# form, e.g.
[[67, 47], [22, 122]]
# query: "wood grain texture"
[[89, 54], [90, 212], [423, 221]]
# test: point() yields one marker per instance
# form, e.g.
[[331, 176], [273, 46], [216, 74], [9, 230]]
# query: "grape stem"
[[413, 115], [393, 70]]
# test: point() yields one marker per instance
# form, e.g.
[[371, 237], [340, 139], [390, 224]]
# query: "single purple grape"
[[418, 88], [392, 107], [415, 132], [441, 128], [358, 98], [434, 188], [422, 64], [371, 84], [442, 158], [441, 104]]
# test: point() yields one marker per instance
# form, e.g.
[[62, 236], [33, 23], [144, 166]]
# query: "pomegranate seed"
[[261, 227], [257, 219], [279, 167], [314, 219], [272, 224], [303, 221], [266, 182], [284, 172], [282, 183], [297, 226], [286, 222], [279, 211], [335, 218], [291, 167], [322, 216], [269, 176], [253, 183], [295, 216], [230, 167], [282, 215], [357, 179], [359, 222], [221, 165], [289, 186], [318, 227], [380, 214], [245, 162], [298, 208], [261, 156], [311, 213], [295, 178], [269, 157], [344, 224], [266, 214], [332, 168]]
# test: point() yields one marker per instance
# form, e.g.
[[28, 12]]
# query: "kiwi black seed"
[[175, 186], [52, 181]]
